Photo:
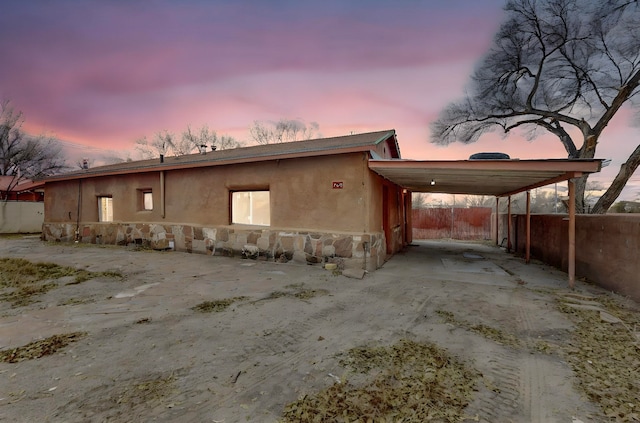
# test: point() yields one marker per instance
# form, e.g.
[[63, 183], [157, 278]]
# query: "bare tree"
[[23, 156], [478, 201], [161, 144], [562, 66], [166, 143], [203, 138], [284, 130], [420, 200]]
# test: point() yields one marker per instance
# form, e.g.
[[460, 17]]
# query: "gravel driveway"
[[194, 338]]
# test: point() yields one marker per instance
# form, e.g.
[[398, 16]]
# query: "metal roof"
[[481, 177]]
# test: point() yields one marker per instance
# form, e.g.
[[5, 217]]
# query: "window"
[[147, 200], [105, 209], [250, 207]]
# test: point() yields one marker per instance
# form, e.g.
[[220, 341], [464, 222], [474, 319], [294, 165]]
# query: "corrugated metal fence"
[[473, 223]]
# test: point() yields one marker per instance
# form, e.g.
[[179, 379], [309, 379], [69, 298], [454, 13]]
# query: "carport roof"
[[481, 177]]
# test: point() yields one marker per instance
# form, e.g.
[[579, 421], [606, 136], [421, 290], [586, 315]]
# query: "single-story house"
[[310, 201], [344, 199]]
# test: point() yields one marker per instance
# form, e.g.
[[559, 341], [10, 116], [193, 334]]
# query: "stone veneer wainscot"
[[351, 250]]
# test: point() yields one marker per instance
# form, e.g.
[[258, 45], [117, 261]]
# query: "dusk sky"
[[105, 73]]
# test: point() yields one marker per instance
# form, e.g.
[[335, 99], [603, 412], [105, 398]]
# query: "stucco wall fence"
[[348, 250], [21, 217], [607, 247]]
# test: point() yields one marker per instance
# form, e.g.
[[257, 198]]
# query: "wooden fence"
[[473, 223]]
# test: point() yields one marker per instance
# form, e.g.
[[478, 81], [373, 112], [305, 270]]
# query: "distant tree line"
[[199, 139]]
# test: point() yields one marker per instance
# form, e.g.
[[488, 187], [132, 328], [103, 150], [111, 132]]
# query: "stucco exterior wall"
[[21, 217], [607, 247], [329, 221], [302, 194]]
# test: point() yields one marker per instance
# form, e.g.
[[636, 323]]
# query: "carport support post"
[[527, 255], [572, 234]]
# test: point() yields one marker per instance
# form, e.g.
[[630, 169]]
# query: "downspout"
[[366, 200], [527, 254], [365, 192], [79, 208], [162, 209], [497, 221], [509, 225]]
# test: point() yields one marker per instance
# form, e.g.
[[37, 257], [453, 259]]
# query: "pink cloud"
[[105, 73]]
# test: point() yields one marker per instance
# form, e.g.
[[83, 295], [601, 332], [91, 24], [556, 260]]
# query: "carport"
[[498, 178]]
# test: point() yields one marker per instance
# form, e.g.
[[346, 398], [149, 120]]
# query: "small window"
[[105, 209], [147, 200], [250, 208]]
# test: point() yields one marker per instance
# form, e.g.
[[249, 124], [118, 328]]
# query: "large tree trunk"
[[626, 171], [587, 151], [580, 186]]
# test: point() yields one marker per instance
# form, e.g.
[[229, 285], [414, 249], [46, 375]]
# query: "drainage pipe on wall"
[[527, 254], [78, 211], [509, 225], [497, 220], [162, 194]]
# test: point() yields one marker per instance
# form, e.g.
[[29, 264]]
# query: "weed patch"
[[408, 381], [40, 348], [606, 359], [216, 305], [488, 332], [25, 278], [145, 392], [296, 291]]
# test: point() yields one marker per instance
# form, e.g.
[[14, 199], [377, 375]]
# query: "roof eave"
[[200, 164]]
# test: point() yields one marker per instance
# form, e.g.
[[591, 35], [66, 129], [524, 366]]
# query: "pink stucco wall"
[[325, 221]]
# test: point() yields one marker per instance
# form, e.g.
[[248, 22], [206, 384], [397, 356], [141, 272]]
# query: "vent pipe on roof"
[[161, 158], [213, 148], [203, 149]]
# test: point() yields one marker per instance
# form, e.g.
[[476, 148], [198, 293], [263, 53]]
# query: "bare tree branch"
[[23, 156], [555, 64], [284, 130]]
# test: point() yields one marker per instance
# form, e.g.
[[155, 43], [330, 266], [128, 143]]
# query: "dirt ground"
[[150, 354]]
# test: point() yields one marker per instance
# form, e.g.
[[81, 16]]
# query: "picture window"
[[251, 208]]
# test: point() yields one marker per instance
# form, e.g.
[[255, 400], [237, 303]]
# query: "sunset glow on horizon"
[[105, 73]]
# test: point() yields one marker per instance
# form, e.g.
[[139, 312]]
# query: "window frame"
[[232, 210], [142, 193], [108, 206]]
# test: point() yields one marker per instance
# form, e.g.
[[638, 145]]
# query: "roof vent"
[[489, 156]]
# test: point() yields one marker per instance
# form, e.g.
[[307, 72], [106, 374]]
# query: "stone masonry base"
[[357, 251]]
